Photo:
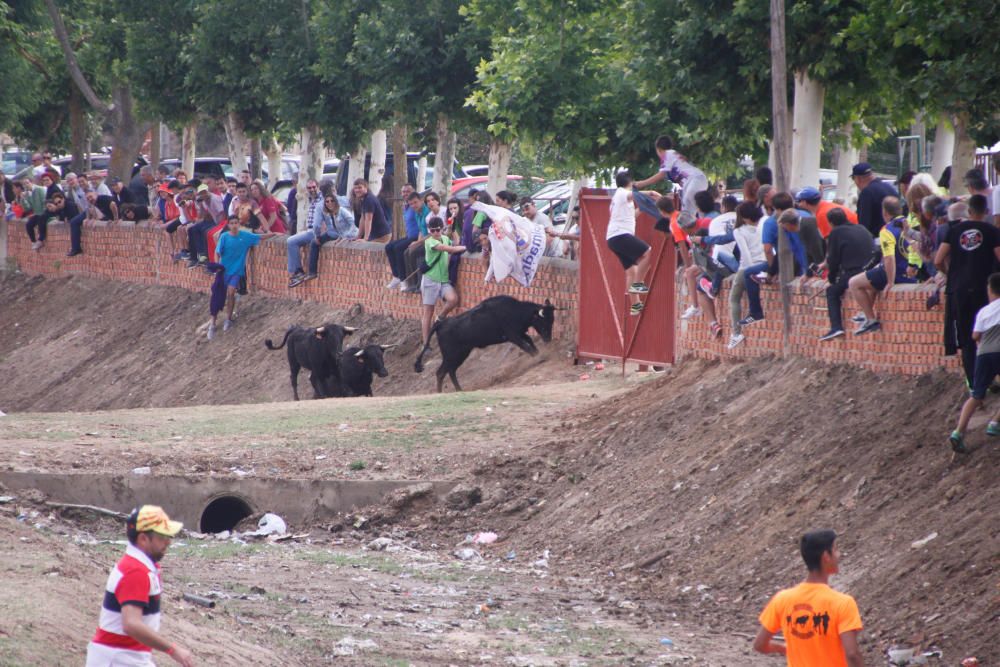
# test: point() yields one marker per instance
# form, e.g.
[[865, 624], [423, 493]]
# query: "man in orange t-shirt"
[[820, 625], [809, 199]]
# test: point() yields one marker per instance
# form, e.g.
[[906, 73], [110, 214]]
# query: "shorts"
[[877, 277], [432, 290], [233, 280], [172, 226], [99, 655], [987, 368], [629, 248]]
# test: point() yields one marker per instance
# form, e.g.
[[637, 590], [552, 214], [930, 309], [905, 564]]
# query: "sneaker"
[[227, 325], [296, 280], [310, 276], [177, 256], [636, 308], [74, 253], [859, 318], [35, 245], [705, 285], [402, 285], [692, 311], [192, 263], [393, 284], [868, 326], [760, 278], [750, 319], [831, 334], [957, 443], [211, 331], [638, 288], [716, 329], [993, 428], [735, 340]]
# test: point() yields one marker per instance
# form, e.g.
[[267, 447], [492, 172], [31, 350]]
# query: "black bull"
[[318, 350], [358, 365], [499, 319]]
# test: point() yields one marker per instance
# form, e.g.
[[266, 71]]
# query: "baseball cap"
[[163, 188], [114, 180], [152, 518], [202, 188], [861, 168], [807, 193]]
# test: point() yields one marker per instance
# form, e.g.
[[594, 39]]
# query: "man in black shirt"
[[871, 191], [968, 255], [849, 249], [120, 194]]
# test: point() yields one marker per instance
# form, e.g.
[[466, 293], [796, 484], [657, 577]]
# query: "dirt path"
[[327, 600]]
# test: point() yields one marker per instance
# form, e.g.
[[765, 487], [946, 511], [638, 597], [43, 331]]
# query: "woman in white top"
[[746, 233]]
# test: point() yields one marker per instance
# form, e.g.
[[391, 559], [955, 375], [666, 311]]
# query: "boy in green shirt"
[[434, 285]]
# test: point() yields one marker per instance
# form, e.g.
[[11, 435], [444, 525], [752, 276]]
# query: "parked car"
[[98, 162], [222, 167], [552, 199], [14, 161], [476, 169], [517, 184], [411, 169]]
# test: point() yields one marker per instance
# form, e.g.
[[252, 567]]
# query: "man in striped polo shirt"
[[129, 625]]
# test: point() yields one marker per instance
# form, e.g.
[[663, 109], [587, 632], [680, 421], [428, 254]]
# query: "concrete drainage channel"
[[212, 505]]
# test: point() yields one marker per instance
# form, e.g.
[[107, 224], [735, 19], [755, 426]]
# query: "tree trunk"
[[779, 106], [377, 169], [421, 173], [273, 163], [355, 167], [847, 157], [807, 130], [444, 159], [918, 129], [236, 139], [963, 156], [189, 146], [310, 166], [127, 136], [256, 159], [499, 162], [944, 146], [400, 175], [156, 146], [73, 66], [77, 130]]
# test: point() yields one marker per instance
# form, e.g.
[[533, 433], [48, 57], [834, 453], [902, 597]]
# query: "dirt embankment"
[[718, 469], [82, 344]]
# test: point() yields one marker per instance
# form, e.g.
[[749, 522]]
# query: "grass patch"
[[216, 551], [339, 559]]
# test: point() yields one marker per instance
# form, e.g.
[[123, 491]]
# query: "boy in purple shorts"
[[631, 251], [231, 251]]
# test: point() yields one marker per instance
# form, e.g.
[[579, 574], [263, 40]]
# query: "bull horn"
[[320, 330], [359, 353], [541, 312], [349, 330], [388, 347]]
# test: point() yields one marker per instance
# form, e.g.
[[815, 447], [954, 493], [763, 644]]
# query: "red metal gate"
[[606, 330]]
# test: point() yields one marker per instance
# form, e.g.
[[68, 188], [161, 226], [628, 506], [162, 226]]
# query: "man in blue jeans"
[[415, 218], [788, 222]]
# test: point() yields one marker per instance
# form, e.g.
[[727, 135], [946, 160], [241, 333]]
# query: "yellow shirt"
[[812, 617]]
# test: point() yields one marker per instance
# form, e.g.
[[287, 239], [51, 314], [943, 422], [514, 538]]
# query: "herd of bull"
[[335, 371]]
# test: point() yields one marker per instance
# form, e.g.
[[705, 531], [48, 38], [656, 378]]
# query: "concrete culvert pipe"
[[223, 513]]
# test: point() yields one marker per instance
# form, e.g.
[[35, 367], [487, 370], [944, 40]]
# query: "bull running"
[[499, 319]]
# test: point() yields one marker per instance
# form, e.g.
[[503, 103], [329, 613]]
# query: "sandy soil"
[[670, 506]]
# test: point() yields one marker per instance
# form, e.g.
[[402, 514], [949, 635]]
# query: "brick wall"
[[348, 275], [909, 342]]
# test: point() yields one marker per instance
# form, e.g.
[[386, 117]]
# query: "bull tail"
[[419, 365], [271, 346]]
